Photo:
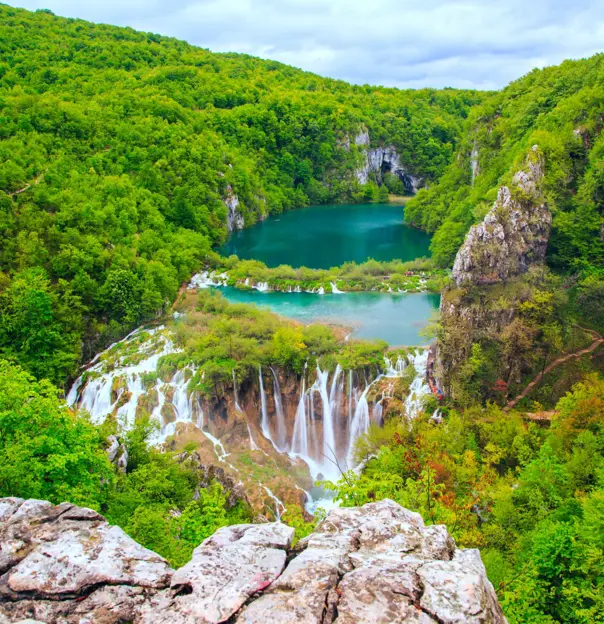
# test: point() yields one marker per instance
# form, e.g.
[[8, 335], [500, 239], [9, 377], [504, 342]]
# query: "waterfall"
[[264, 424], [378, 410], [279, 506], [181, 399], [281, 429], [329, 439], [324, 430], [419, 387], [299, 445], [266, 432], [335, 290], [359, 425]]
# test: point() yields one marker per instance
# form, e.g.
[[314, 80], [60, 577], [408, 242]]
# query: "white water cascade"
[[331, 413], [281, 429], [419, 386]]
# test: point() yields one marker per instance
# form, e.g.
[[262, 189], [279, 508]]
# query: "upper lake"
[[321, 237]]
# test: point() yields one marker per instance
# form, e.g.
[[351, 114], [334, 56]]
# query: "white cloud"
[[403, 43]]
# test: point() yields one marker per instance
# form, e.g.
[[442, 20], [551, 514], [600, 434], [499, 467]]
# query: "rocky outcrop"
[[378, 161], [235, 219], [117, 453], [67, 564], [512, 236], [208, 473], [382, 160], [375, 564], [509, 243]]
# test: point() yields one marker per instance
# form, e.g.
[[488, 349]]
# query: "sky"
[[482, 44]]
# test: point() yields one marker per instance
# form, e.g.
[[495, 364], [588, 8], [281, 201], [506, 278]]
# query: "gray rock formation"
[[372, 564], [379, 161], [117, 453], [67, 564], [383, 160], [235, 219], [512, 236]]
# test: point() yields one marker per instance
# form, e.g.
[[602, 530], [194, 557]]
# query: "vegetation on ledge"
[[394, 276]]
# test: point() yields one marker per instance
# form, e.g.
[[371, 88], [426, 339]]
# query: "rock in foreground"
[[373, 564]]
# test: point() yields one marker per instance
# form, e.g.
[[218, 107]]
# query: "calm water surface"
[[321, 237], [397, 319]]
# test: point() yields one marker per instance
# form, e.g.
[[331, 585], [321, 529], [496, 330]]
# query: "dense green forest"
[[117, 149], [561, 110]]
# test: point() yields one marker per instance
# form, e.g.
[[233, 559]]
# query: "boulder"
[[373, 564], [57, 561]]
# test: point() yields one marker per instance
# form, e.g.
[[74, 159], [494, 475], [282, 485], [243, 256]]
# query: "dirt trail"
[[598, 340]]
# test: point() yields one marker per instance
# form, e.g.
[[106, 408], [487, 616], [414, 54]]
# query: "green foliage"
[[46, 451], [412, 276], [224, 339], [40, 325], [295, 518], [155, 501], [518, 328], [532, 499], [559, 109]]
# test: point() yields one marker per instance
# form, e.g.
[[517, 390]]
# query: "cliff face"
[[378, 563], [494, 257], [379, 161], [513, 235], [235, 219]]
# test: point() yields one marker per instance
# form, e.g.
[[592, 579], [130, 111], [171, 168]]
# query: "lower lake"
[[395, 318]]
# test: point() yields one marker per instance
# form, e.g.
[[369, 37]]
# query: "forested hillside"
[[561, 109], [118, 149]]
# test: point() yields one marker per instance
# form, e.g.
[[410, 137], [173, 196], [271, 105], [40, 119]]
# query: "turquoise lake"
[[397, 319], [321, 237]]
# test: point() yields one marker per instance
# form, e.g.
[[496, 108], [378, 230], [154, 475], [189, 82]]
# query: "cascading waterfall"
[[281, 427], [359, 425], [419, 386], [264, 424], [328, 420], [299, 445], [329, 438]]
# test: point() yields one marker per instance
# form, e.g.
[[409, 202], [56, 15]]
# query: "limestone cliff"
[[378, 161], [488, 272], [374, 564], [512, 236], [235, 219]]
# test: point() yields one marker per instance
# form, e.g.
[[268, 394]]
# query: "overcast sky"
[[404, 43]]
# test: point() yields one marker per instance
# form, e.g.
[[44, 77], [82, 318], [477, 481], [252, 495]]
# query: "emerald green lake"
[[395, 318], [321, 237]]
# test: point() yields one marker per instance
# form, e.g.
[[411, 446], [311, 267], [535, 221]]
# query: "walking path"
[[598, 340]]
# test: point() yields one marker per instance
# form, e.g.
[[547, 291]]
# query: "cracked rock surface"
[[377, 563]]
